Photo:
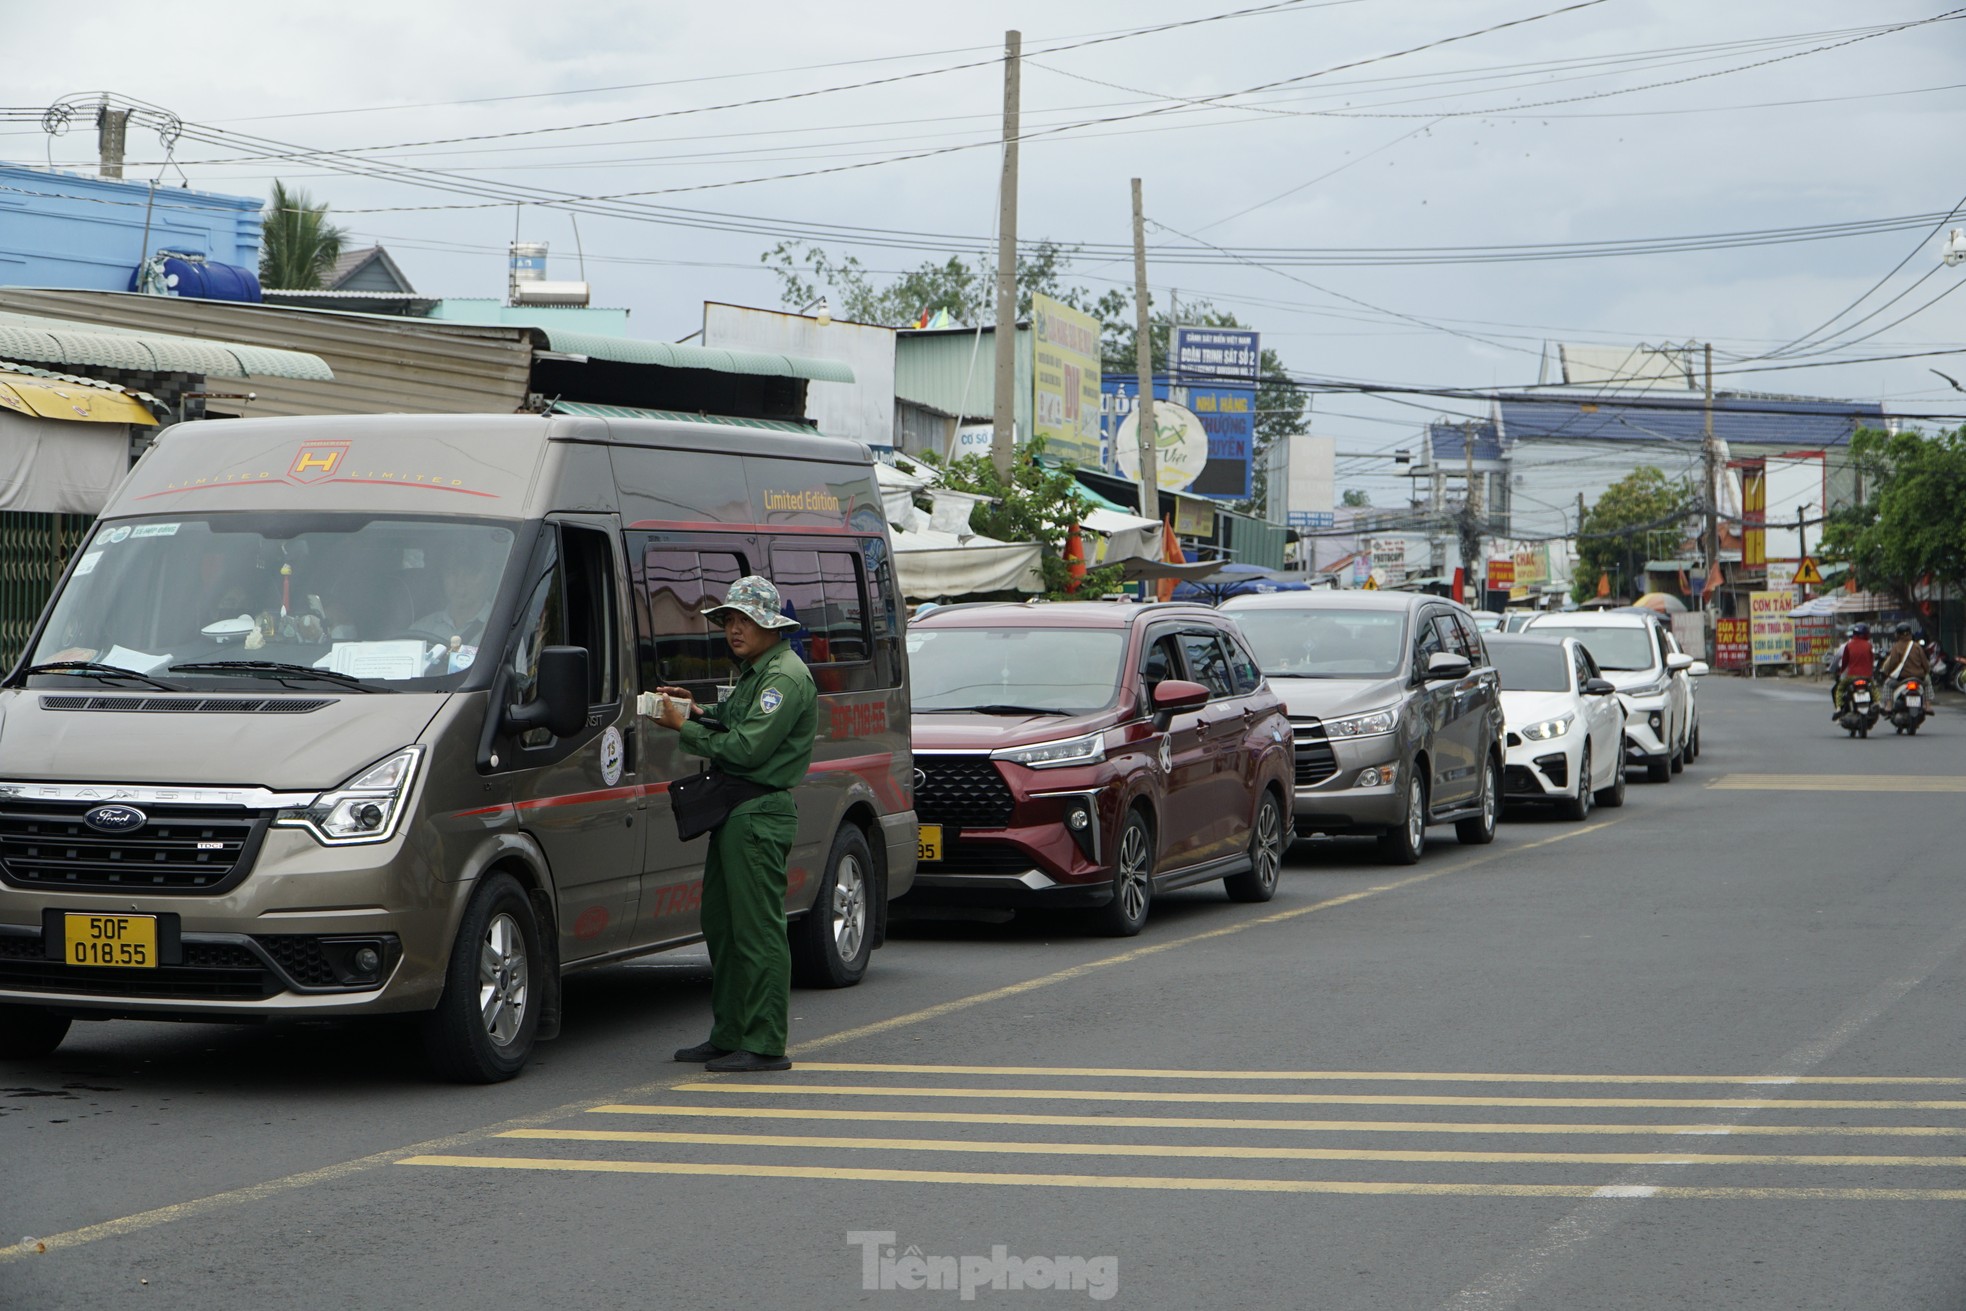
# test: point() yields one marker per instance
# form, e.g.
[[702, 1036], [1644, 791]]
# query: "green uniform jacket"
[[763, 732]]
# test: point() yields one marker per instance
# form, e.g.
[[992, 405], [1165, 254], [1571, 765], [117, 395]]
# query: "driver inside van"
[[469, 582]]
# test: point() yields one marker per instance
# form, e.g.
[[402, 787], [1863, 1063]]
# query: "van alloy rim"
[[1133, 872], [1269, 842], [502, 979], [1416, 815], [849, 908]]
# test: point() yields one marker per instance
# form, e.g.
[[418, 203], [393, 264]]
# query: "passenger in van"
[[469, 581], [762, 735]]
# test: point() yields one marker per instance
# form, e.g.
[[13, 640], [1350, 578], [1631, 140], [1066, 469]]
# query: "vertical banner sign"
[[1065, 381], [1771, 633], [1206, 440], [1731, 643], [1754, 517], [1501, 575], [1815, 638], [1217, 355]]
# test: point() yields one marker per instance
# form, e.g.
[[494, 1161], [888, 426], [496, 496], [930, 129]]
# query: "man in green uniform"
[[763, 734]]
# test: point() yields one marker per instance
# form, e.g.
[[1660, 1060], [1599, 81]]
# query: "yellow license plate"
[[126, 940], [928, 842]]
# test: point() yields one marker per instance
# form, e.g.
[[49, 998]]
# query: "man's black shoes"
[[745, 1063], [703, 1051]]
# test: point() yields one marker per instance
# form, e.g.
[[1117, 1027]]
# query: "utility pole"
[[1711, 454], [1143, 360], [112, 129], [1801, 537], [1003, 432]]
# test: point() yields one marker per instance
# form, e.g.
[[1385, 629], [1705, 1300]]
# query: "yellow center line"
[[1309, 1099], [1365, 1076], [1215, 1151], [1837, 783], [1247, 1124], [1178, 1183]]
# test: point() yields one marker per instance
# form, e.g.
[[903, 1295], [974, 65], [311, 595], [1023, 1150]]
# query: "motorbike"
[[1860, 708], [1908, 706], [1947, 669]]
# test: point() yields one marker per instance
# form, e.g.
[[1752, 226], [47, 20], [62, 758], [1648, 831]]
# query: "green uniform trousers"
[[743, 921]]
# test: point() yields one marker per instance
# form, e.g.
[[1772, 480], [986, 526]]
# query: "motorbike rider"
[[1906, 660], [1855, 659]]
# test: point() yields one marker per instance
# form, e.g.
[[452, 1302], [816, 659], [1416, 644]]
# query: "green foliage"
[[1910, 525], [1615, 532], [968, 293], [1036, 504], [1356, 498], [297, 243]]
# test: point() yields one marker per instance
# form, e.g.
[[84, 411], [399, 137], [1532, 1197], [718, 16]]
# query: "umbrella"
[[1664, 602]]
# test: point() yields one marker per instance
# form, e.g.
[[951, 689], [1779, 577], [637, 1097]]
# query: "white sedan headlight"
[[1087, 750], [1548, 728], [366, 809], [1371, 724]]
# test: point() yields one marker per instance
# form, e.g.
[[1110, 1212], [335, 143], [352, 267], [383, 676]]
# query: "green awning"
[[676, 355], [59, 341], [590, 410]]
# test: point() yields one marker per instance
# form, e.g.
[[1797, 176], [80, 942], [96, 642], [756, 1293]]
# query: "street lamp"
[[1955, 251]]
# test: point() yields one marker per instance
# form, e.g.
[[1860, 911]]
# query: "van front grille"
[[45, 846], [961, 792]]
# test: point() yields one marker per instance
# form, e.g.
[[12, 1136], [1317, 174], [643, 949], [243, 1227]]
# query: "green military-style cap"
[[757, 600]]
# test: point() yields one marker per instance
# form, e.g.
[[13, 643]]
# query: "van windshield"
[[1621, 648], [1064, 671], [389, 602], [1325, 643]]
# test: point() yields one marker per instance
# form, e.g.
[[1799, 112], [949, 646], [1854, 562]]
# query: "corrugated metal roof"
[[1450, 441], [381, 364], [677, 355], [79, 381], [955, 372], [591, 410], [1737, 420], [64, 341]]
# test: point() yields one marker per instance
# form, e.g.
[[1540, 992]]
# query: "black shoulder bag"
[[702, 801]]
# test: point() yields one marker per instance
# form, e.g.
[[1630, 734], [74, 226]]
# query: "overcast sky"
[[1440, 149]]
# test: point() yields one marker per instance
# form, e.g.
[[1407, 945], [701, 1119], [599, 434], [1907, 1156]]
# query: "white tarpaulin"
[[1123, 537], [53, 467], [939, 566]]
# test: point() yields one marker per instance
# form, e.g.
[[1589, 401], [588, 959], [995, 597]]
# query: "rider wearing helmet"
[[1856, 658], [1907, 658]]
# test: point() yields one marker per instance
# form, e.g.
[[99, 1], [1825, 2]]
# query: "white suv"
[[1653, 678]]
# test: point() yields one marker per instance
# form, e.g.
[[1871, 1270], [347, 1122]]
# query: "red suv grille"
[[961, 792]]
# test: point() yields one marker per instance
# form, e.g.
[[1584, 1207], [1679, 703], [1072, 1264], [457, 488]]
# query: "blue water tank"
[[190, 274]]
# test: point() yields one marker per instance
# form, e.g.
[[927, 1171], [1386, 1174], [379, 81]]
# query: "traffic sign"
[[1371, 583], [1807, 574]]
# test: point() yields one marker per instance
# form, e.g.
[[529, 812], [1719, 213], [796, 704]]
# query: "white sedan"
[[1565, 724]]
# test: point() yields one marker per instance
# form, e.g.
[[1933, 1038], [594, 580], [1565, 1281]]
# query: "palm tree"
[[298, 245]]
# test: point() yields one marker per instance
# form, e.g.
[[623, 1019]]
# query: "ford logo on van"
[[116, 819]]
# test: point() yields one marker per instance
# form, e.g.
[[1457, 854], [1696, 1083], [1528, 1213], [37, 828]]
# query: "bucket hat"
[[757, 600]]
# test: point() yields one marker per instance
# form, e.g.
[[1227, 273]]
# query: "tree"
[[1356, 498], [1909, 527], [1614, 534], [1036, 504], [297, 243]]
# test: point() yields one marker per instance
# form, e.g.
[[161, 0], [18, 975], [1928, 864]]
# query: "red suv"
[[1091, 754]]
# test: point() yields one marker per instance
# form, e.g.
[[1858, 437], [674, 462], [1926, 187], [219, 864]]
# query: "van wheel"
[[1658, 769], [1678, 762], [482, 1030], [27, 1032], [1403, 843], [1480, 830], [1133, 882], [832, 942], [1266, 847]]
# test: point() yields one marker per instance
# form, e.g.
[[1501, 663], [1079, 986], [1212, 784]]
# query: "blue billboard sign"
[[1222, 418], [1221, 355]]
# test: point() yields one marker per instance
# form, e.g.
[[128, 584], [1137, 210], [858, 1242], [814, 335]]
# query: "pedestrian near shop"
[[760, 737]]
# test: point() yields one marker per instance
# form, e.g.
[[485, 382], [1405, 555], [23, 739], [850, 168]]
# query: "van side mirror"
[[1598, 687], [1679, 662], [559, 703], [1699, 669], [1445, 665], [1174, 696]]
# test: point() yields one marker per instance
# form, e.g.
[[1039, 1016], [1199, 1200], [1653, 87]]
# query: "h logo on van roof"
[[317, 460]]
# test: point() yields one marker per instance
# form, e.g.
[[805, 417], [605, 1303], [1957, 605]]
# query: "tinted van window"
[[1325, 643]]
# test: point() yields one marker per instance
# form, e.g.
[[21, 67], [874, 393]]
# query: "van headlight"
[[1371, 724], [1548, 729], [365, 809], [1087, 750]]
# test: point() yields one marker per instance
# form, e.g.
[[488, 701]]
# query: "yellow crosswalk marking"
[[1368, 1076], [1838, 783], [1247, 1124], [1178, 1183], [1308, 1099], [1214, 1151]]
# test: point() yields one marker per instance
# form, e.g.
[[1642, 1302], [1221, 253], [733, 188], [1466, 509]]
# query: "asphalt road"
[[1700, 1052]]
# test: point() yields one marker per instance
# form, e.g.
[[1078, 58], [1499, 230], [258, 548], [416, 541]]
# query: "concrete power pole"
[[1711, 455], [1003, 432], [1143, 359], [112, 129]]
